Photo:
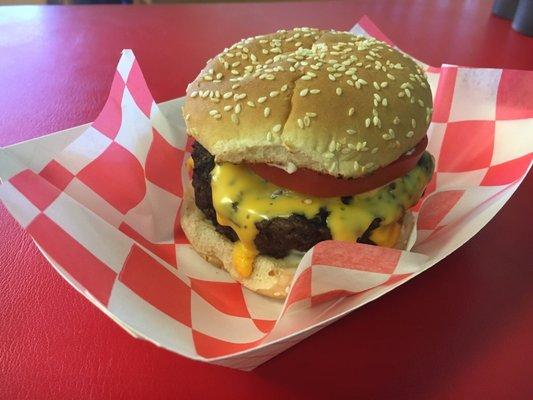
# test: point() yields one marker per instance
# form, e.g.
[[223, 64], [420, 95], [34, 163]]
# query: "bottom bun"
[[271, 277]]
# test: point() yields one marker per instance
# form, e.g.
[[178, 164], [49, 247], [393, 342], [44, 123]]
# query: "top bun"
[[328, 101]]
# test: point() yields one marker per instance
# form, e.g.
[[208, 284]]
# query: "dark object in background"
[[504, 8], [100, 2], [523, 18]]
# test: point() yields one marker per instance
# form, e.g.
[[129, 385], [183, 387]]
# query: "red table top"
[[460, 330]]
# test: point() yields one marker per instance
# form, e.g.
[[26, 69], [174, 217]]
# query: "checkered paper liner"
[[101, 201]]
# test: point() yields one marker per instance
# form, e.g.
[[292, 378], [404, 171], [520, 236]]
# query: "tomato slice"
[[314, 183]]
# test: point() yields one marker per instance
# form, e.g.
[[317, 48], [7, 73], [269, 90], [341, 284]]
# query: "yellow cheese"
[[190, 164], [241, 199], [386, 235], [243, 258]]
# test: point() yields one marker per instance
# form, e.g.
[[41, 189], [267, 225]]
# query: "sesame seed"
[[386, 136], [331, 146], [250, 103], [269, 136], [213, 112], [351, 111], [235, 119], [331, 77], [304, 92], [338, 91], [413, 123], [401, 94], [376, 85], [350, 131], [235, 86], [308, 201], [328, 155], [375, 121], [204, 94], [237, 109], [227, 95], [367, 122], [314, 91], [187, 117], [208, 77], [377, 96], [276, 128], [311, 114], [266, 112], [410, 134], [300, 123], [284, 88], [362, 81], [307, 120], [420, 103], [194, 94], [384, 102], [274, 93], [391, 77], [261, 99], [228, 107], [374, 150], [384, 84], [407, 92], [218, 116], [396, 120]]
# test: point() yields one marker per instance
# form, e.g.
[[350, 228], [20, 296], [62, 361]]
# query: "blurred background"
[[518, 11], [27, 2]]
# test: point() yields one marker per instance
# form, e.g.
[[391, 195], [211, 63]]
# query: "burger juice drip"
[[241, 199]]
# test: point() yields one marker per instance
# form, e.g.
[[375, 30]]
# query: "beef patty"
[[276, 237]]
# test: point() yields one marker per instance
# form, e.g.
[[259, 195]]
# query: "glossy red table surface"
[[460, 330]]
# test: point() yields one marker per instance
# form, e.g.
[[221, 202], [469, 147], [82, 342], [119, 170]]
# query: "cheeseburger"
[[301, 136]]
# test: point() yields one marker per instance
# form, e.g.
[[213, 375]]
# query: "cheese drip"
[[241, 199]]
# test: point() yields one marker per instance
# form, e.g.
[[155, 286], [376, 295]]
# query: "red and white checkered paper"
[[101, 201]]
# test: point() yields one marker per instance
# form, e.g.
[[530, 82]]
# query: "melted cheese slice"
[[241, 199]]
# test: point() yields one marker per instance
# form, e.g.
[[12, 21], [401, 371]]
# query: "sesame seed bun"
[[328, 101], [271, 277]]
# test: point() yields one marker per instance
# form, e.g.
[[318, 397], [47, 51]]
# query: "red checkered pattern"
[[104, 210]]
